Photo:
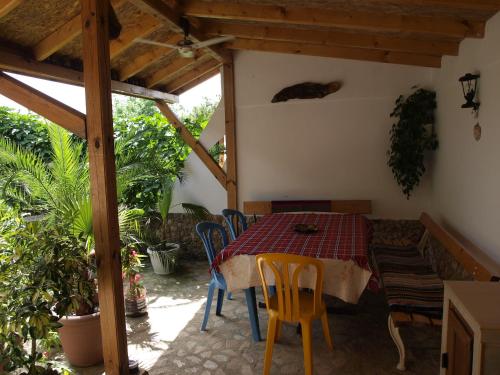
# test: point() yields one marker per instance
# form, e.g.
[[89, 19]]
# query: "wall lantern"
[[469, 88]]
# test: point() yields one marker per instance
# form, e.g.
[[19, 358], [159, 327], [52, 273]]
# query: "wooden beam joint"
[[192, 142]]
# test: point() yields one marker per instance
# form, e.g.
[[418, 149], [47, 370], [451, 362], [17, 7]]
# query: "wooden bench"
[[339, 206], [414, 290]]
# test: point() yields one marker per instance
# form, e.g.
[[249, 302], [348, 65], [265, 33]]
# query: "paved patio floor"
[[168, 340]]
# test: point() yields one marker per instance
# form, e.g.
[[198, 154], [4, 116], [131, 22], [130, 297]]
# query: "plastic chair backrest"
[[287, 269], [234, 219], [206, 230]]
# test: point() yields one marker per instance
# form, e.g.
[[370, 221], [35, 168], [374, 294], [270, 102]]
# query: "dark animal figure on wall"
[[306, 90]]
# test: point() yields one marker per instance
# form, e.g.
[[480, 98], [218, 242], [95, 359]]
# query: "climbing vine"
[[411, 136]]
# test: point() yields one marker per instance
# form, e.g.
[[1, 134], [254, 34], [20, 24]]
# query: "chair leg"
[[307, 346], [326, 330], [396, 337], [271, 334], [278, 330], [210, 296], [252, 313], [230, 296], [220, 301]]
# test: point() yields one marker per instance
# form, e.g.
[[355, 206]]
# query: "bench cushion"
[[410, 284]]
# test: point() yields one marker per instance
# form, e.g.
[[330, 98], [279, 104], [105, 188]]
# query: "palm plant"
[[59, 190]]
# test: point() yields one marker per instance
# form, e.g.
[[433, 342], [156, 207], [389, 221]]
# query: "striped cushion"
[[410, 284]]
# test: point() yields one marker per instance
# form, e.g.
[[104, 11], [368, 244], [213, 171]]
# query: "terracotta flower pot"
[[81, 339]]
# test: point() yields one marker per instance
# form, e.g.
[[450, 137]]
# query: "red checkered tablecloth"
[[340, 236]]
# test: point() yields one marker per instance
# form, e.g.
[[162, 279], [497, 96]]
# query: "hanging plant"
[[411, 136]]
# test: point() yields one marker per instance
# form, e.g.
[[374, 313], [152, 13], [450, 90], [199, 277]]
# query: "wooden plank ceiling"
[[44, 38]]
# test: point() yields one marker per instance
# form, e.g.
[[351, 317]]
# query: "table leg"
[[252, 313]]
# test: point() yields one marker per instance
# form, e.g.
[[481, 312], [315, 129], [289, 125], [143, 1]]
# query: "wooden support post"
[[230, 121], [44, 105], [97, 81], [191, 141]]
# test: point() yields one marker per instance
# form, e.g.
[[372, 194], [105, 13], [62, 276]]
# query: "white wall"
[[199, 185], [330, 148], [466, 177]]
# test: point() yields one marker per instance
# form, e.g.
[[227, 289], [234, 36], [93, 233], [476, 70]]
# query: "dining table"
[[340, 241]]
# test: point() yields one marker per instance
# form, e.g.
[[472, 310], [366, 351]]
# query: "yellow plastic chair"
[[290, 304]]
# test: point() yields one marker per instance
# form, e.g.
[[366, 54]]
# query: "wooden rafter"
[[195, 145], [44, 105], [63, 35], [192, 75], [144, 60], [100, 144], [484, 5], [7, 6], [176, 65], [196, 82], [144, 25], [356, 20], [230, 132], [172, 18], [337, 52], [333, 37], [20, 64]]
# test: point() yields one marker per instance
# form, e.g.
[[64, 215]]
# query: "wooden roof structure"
[[44, 38], [69, 41]]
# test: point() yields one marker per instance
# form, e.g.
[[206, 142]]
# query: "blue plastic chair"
[[206, 231], [233, 217]]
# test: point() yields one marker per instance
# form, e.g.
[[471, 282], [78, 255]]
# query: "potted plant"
[[60, 191], [28, 314], [162, 253], [135, 292]]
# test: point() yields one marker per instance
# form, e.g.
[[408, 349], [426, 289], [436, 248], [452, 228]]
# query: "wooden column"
[[230, 124], [97, 81]]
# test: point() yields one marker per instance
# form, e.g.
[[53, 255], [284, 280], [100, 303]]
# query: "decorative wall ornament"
[[477, 132], [469, 89], [306, 90]]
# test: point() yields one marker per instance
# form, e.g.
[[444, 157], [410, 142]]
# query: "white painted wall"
[[466, 177], [330, 148], [199, 185]]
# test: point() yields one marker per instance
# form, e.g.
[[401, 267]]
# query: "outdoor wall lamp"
[[469, 89]]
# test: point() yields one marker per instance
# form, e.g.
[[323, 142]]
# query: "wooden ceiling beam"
[[177, 64], [192, 142], [172, 18], [332, 37], [196, 82], [144, 25], [20, 64], [336, 52], [192, 75], [63, 35], [7, 6], [356, 20], [44, 105], [145, 60], [479, 5]]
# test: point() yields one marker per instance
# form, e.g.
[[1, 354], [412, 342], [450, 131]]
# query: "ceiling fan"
[[186, 47]]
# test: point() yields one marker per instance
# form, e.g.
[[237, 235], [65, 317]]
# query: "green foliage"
[[40, 280], [411, 136], [29, 131], [149, 139]]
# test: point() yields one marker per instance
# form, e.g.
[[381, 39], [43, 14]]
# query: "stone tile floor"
[[168, 340]]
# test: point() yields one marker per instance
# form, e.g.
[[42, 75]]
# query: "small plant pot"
[[164, 257], [135, 307], [81, 339]]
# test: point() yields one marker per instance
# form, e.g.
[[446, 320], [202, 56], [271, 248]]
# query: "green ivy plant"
[[411, 136]]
